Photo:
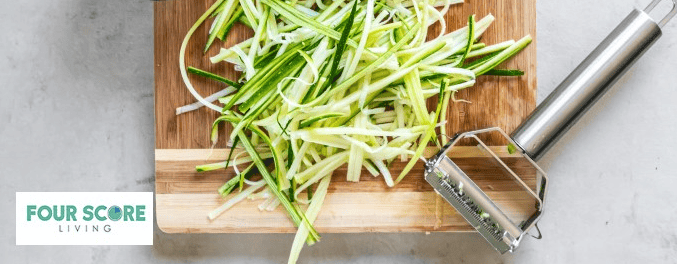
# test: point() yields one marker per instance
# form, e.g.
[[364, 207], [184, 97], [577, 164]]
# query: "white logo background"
[[38, 232]]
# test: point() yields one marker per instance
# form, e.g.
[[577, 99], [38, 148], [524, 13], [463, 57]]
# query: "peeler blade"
[[488, 229], [463, 172]]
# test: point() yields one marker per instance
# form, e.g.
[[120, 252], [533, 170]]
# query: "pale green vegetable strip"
[[323, 167], [237, 198], [354, 164], [182, 58], [491, 49], [297, 161], [221, 165], [504, 55], [384, 171], [258, 34], [311, 213]]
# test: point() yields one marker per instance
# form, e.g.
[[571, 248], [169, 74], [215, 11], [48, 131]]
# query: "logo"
[[84, 218]]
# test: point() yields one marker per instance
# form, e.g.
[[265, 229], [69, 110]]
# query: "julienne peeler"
[[459, 183]]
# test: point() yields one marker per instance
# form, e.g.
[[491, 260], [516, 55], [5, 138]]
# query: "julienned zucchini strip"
[[212, 76]]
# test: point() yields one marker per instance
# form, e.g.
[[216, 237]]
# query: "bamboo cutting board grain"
[[184, 197]]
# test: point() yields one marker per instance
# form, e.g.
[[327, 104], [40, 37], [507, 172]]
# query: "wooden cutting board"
[[184, 197]]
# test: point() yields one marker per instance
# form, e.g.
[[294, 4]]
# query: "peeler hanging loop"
[[667, 17], [539, 233]]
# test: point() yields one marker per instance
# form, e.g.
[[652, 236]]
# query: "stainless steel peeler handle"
[[590, 81]]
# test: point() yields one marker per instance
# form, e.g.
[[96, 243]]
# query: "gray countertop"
[[76, 108]]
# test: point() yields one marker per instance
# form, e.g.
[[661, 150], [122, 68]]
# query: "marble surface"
[[76, 108]]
